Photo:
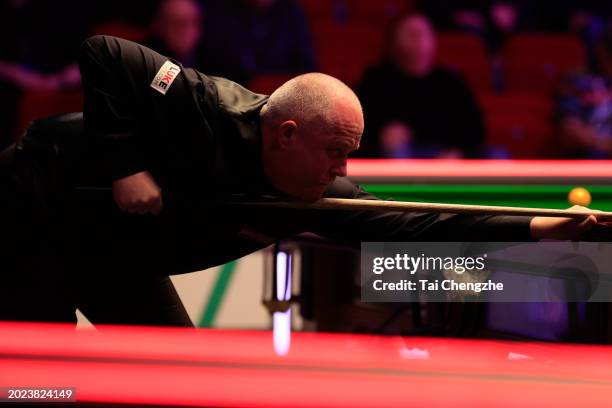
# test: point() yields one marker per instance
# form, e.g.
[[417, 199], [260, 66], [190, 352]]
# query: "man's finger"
[[157, 206], [587, 224]]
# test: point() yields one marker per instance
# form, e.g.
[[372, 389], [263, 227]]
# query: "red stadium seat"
[[351, 10], [523, 136], [41, 104], [123, 30], [519, 122], [517, 102], [380, 10], [537, 61], [317, 10], [266, 84], [345, 50], [466, 54]]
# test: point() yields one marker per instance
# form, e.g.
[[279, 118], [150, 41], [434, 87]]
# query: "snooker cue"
[[382, 205]]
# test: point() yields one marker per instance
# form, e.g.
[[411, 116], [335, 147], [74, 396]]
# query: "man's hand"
[[562, 228], [138, 194]]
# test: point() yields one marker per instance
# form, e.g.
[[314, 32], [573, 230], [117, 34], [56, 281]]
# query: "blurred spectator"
[[585, 117], [493, 20], [587, 17], [177, 31], [244, 38], [40, 43], [414, 109], [584, 106], [602, 54], [137, 13]]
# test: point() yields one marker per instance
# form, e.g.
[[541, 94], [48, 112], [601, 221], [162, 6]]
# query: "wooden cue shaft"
[[382, 205]]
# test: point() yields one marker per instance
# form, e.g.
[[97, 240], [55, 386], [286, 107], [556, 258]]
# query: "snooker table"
[[129, 366], [516, 183]]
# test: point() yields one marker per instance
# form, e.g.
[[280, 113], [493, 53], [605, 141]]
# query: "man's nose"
[[340, 169]]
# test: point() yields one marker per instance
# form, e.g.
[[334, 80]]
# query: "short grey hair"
[[307, 98]]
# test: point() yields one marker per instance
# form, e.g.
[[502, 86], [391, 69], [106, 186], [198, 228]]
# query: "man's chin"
[[311, 195], [310, 198]]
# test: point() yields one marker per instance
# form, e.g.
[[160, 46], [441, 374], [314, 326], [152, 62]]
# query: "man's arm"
[[116, 77], [356, 226], [114, 86]]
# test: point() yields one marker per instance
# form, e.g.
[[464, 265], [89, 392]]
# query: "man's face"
[[315, 155], [179, 26], [414, 46]]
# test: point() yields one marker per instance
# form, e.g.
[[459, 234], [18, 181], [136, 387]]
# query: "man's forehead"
[[349, 123], [349, 141]]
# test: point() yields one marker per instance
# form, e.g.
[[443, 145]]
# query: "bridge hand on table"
[[588, 229], [567, 228]]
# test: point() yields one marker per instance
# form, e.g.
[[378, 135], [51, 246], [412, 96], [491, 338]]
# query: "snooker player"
[[174, 146]]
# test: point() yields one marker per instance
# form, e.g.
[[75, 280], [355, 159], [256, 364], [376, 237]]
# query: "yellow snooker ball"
[[579, 196]]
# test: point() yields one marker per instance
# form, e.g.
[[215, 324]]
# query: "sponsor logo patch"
[[165, 76]]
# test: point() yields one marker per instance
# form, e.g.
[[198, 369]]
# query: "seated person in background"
[[492, 20], [413, 108], [584, 112], [244, 38], [177, 31], [602, 61], [39, 42], [584, 106], [587, 18]]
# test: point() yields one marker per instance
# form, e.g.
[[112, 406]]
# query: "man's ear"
[[287, 132]]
